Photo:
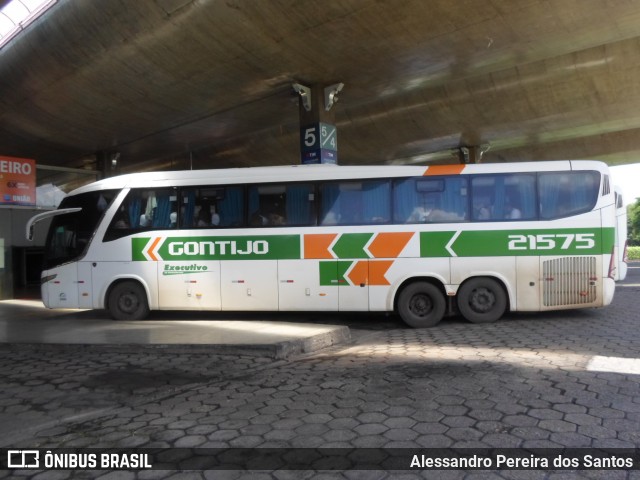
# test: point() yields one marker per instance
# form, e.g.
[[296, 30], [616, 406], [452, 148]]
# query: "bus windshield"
[[69, 234]]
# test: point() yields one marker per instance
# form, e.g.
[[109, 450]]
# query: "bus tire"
[[421, 305], [128, 301], [482, 300]]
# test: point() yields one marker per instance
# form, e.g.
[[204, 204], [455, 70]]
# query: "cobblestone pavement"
[[561, 379]]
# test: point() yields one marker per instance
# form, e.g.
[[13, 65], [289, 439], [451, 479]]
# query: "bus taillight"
[[612, 264]]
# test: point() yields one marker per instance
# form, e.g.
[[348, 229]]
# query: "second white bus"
[[621, 236]]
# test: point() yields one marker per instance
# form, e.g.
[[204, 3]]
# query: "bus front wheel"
[[128, 301], [482, 300], [421, 305]]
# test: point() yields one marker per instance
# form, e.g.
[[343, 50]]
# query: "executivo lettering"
[[181, 269]]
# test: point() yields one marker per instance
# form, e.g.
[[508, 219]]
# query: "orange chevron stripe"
[[444, 170], [377, 271], [316, 245], [152, 248], [389, 244], [359, 273]]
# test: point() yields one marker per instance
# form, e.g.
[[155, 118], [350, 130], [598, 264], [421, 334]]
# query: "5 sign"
[[320, 135], [319, 143]]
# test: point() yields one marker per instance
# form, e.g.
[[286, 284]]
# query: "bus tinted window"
[[355, 203], [424, 200], [144, 209], [567, 193], [290, 204], [504, 197], [203, 207], [70, 234]]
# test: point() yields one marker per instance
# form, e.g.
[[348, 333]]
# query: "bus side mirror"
[[41, 216]]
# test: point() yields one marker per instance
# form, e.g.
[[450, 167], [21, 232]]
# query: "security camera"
[[114, 159], [331, 95], [301, 89], [305, 95]]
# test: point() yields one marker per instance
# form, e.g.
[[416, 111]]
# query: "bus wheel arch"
[[482, 299], [421, 302], [127, 299]]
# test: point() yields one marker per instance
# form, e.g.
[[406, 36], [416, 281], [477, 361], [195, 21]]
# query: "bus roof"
[[322, 172]]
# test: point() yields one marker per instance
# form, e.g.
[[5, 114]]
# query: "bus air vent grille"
[[569, 281]]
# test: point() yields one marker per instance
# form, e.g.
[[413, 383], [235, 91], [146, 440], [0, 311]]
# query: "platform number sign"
[[319, 143]]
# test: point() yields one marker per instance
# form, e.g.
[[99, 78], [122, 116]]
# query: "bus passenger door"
[[307, 285], [353, 280], [190, 285], [249, 284]]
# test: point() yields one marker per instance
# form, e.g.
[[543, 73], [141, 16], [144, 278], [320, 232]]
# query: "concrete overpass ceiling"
[[170, 83]]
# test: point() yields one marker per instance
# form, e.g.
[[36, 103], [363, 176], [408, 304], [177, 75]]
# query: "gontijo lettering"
[[259, 247], [271, 247]]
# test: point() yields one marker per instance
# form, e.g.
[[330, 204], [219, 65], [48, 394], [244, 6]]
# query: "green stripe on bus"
[[351, 245], [495, 243], [254, 247], [332, 272], [137, 246]]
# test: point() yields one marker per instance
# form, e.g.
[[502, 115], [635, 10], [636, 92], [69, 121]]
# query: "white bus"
[[621, 236], [476, 239]]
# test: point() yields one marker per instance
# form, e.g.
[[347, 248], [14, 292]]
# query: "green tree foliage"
[[633, 218]]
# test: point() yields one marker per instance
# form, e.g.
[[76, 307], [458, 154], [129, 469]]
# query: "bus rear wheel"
[[421, 305], [128, 301], [482, 300]]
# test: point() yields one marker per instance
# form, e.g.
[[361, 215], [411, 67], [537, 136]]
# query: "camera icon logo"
[[23, 459]]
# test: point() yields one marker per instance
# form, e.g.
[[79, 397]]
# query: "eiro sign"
[[17, 181]]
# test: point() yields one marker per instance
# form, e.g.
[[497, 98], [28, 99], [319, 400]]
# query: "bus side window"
[[212, 206], [363, 202], [376, 201], [203, 218], [156, 205], [330, 213], [430, 200], [300, 204], [282, 204], [567, 193], [267, 205], [502, 197], [143, 209], [230, 208]]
